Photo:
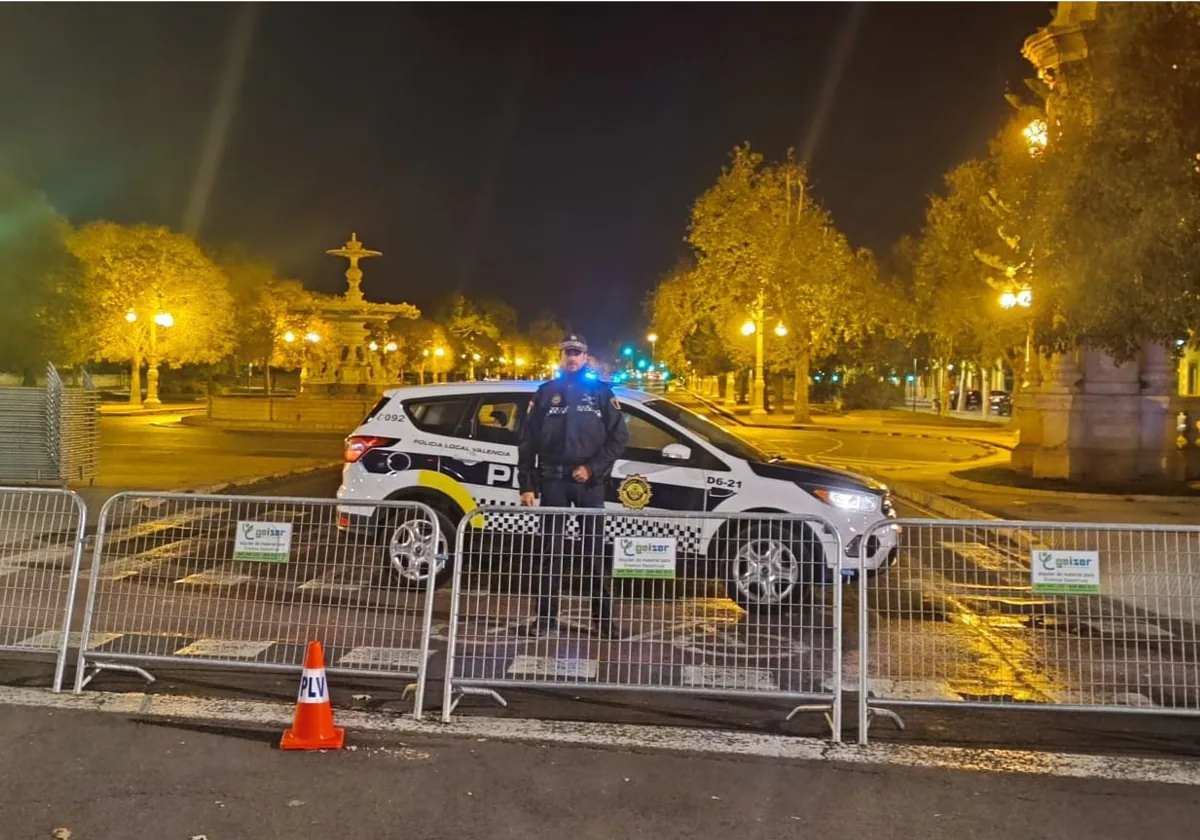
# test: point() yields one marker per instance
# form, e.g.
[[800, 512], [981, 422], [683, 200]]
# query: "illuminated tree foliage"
[[762, 243], [40, 287], [1121, 171], [133, 274]]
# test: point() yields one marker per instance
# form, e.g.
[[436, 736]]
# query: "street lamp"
[[390, 347], [289, 336], [653, 339], [748, 328], [312, 338], [780, 330], [372, 346], [1037, 136], [164, 320]]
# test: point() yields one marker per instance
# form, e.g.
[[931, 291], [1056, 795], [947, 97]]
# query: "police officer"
[[572, 436]]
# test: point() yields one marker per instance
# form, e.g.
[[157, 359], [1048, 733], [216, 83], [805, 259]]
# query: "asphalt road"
[[160, 452], [102, 777]]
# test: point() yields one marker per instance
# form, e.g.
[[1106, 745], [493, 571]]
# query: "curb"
[[812, 427], [248, 483], [1034, 493], [940, 505], [150, 412]]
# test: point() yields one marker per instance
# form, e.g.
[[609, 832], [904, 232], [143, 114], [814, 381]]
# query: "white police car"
[[454, 447]]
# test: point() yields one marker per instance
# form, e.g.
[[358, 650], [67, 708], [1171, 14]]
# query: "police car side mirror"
[[676, 452]]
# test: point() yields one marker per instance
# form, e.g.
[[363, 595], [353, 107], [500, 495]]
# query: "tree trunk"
[[135, 379], [945, 386], [985, 389], [266, 379], [962, 387], [801, 412]]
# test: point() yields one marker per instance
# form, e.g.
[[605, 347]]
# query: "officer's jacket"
[[571, 421]]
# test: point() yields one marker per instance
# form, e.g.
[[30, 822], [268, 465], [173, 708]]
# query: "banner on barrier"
[[644, 557], [263, 542], [1066, 572]]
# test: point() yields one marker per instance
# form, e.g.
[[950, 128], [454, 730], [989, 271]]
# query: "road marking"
[[126, 567], [224, 649], [709, 676], [1127, 629], [215, 577], [627, 736], [51, 639], [544, 666], [383, 657], [55, 555], [318, 585]]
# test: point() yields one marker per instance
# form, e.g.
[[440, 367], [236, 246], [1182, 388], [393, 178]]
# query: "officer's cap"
[[573, 341]]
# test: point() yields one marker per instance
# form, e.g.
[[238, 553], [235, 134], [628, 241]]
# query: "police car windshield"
[[708, 431]]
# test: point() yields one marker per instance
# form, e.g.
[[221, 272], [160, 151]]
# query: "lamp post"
[[759, 386], [164, 320], [653, 339], [1022, 298]]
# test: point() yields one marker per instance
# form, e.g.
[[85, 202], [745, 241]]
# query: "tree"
[[273, 314], [978, 244], [417, 342], [39, 283], [153, 295], [766, 251], [1120, 172]]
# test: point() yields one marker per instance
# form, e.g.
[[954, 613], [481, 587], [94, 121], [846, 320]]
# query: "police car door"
[[494, 432], [651, 474]]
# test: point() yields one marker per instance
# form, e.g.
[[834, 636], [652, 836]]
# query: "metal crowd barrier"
[[246, 581], [1033, 615], [41, 541], [673, 626]]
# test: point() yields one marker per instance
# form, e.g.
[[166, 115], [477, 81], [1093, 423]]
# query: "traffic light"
[[627, 352]]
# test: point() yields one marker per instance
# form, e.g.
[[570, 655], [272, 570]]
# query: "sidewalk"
[[124, 409], [886, 422], [111, 777], [959, 496]]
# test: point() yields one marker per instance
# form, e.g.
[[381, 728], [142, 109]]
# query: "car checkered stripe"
[[688, 534]]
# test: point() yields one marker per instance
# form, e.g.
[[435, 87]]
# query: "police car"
[[454, 447]]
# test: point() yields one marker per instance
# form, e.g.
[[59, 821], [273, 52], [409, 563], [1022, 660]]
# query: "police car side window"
[[438, 416], [497, 420], [646, 439]]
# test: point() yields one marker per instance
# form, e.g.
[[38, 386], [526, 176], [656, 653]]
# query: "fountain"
[[348, 365], [347, 378]]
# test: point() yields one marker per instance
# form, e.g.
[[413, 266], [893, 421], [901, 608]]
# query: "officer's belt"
[[562, 470]]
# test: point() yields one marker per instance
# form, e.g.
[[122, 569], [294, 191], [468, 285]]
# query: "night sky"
[[546, 154]]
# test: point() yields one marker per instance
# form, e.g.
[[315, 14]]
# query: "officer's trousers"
[[565, 492]]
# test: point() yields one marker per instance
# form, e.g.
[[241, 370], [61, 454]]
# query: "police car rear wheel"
[[770, 564], [411, 548]]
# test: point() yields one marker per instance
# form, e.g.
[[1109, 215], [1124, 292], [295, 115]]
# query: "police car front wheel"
[[412, 549], [769, 564]]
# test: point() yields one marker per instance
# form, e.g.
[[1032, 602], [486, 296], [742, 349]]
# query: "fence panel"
[[246, 582], [41, 541], [1033, 615], [673, 626]]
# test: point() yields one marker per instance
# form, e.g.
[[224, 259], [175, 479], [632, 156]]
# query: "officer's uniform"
[[573, 420]]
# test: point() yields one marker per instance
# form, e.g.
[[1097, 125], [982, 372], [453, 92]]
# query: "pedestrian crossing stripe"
[[135, 564], [216, 577], [51, 639], [50, 555], [318, 585], [544, 666], [383, 658], [734, 679]]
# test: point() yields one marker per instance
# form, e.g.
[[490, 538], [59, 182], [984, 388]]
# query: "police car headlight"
[[846, 500]]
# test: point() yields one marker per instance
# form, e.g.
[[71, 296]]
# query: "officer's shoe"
[[540, 627]]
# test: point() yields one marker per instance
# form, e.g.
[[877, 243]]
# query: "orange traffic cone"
[[312, 726]]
